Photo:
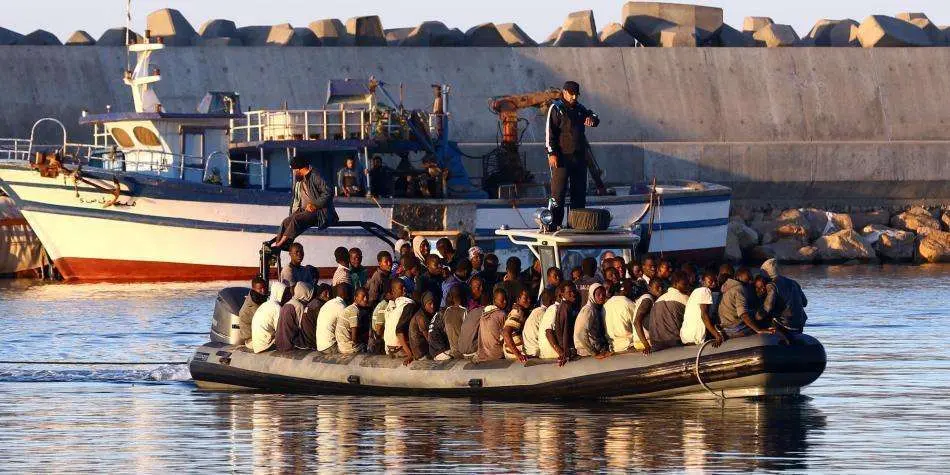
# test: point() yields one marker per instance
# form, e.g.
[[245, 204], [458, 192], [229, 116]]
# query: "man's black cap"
[[299, 162], [572, 87]]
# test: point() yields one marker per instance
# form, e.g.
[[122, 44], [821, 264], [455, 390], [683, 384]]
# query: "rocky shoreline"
[[808, 235]]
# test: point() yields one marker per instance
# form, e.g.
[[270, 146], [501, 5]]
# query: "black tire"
[[589, 219]]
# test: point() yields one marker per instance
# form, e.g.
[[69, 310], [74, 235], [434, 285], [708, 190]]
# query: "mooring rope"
[[722, 397]]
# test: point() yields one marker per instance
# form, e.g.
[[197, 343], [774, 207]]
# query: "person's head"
[[444, 246], [568, 292], [649, 267], [710, 281], [500, 298], [771, 268], [536, 265], [455, 295], [350, 163], [664, 270], [760, 284], [589, 266], [635, 270], [397, 288], [620, 264], [342, 256], [513, 266], [411, 266], [428, 303], [727, 270], [303, 292], [476, 256], [607, 259], [628, 288], [680, 281], [554, 276], [477, 287], [300, 167], [576, 273], [258, 292], [344, 291], [491, 263], [404, 249], [655, 288], [385, 261], [611, 275], [547, 297], [323, 291], [524, 299], [361, 297], [433, 264], [421, 247], [377, 161], [744, 275], [570, 92], [356, 258], [690, 270], [463, 270], [296, 253], [599, 294]]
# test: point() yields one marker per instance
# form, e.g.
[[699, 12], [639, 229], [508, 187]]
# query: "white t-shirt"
[[530, 334], [548, 320], [693, 330], [326, 323], [618, 318]]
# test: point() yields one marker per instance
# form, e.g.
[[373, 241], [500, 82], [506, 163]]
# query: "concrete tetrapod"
[[395, 36], [836, 33], [614, 35], [117, 37], [172, 27], [433, 33], [751, 24], [514, 35], [40, 38], [579, 29], [331, 32], [218, 28], [366, 31], [729, 37], [678, 36], [646, 20], [9, 37], [485, 34], [80, 38], [775, 36], [881, 31]]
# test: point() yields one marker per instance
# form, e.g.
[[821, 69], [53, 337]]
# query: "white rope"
[[722, 397]]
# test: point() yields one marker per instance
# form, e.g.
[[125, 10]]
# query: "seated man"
[[553, 278], [588, 277], [446, 326], [431, 280], [308, 325], [530, 334], [590, 336], [735, 312], [330, 315], [559, 336], [511, 281], [785, 300], [641, 315], [698, 320], [619, 312], [254, 299], [380, 178], [312, 205], [264, 323], [433, 180], [490, 327], [375, 344], [294, 271], [449, 257], [396, 324], [352, 327], [459, 278], [358, 275], [342, 273], [289, 334], [419, 327], [514, 326], [378, 284], [349, 180], [468, 333], [666, 317]]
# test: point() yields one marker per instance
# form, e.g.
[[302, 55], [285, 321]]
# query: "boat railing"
[[321, 124]]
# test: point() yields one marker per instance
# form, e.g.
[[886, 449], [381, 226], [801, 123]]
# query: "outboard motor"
[[226, 324]]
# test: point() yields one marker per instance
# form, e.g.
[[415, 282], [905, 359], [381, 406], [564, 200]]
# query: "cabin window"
[[146, 137], [122, 138]]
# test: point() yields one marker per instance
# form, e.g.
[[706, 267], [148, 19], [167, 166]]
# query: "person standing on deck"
[[566, 145], [312, 205]]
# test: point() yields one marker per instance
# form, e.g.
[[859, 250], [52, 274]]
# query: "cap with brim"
[[572, 87], [299, 162]]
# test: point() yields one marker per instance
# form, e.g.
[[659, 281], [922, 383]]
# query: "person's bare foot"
[[279, 243]]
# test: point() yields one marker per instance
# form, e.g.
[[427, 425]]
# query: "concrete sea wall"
[[796, 126]]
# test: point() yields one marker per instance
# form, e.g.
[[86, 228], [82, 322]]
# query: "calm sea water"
[[882, 404]]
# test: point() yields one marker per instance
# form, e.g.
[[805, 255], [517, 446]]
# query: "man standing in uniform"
[[566, 145], [313, 204]]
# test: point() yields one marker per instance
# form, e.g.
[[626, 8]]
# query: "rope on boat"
[[721, 397]]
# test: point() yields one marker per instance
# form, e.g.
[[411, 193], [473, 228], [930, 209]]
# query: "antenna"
[[128, 34]]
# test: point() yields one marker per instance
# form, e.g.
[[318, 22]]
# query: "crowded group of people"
[[404, 182], [453, 304]]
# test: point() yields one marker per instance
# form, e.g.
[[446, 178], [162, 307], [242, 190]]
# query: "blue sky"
[[537, 17]]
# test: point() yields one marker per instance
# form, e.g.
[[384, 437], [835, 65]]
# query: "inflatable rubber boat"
[[753, 366]]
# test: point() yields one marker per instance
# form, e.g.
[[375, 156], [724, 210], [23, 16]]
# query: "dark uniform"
[[565, 138]]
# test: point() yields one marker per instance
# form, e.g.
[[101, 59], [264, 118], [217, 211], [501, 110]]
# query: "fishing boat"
[[185, 195], [754, 366]]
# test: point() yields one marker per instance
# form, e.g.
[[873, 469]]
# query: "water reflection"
[[289, 433]]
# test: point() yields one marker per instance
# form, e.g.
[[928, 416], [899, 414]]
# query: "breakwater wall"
[[783, 126]]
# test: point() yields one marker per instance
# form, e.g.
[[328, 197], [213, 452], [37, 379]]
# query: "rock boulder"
[[514, 35], [745, 236], [883, 31], [579, 29], [117, 36], [945, 219], [889, 243], [331, 32], [933, 246], [914, 219], [788, 251], [485, 34], [863, 218], [776, 36], [172, 27], [366, 31], [843, 246], [645, 21], [80, 38]]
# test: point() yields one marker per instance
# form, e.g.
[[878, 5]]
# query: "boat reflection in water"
[[295, 433]]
